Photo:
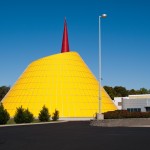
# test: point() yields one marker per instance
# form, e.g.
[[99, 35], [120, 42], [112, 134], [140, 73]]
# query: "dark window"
[[139, 109], [148, 109], [128, 109], [134, 109]]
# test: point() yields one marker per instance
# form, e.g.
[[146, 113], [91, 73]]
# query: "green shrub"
[[119, 114], [44, 114], [23, 116], [4, 115], [28, 116], [19, 115], [55, 116]]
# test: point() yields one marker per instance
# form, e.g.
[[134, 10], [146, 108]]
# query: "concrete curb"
[[29, 124]]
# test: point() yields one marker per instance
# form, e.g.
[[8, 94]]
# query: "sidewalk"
[[29, 124]]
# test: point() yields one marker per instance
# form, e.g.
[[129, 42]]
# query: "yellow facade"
[[61, 81]]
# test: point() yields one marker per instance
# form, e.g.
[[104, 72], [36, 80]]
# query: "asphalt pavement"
[[73, 136]]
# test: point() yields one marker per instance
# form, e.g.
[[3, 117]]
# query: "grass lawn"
[[11, 121]]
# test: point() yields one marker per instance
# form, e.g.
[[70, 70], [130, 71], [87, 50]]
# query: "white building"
[[133, 103], [118, 101]]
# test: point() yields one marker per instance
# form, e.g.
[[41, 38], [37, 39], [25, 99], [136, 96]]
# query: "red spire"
[[65, 41]]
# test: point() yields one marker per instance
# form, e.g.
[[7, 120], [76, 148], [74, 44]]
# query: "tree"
[[28, 116], [3, 91], [143, 91], [23, 116], [19, 115], [44, 114], [111, 92], [4, 115], [55, 116], [132, 92], [121, 91]]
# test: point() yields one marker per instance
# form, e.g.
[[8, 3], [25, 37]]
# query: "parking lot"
[[73, 135]]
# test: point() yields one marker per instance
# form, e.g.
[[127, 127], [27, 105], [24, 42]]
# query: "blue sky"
[[31, 29]]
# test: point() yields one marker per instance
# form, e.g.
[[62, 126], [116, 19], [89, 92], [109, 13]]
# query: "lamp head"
[[104, 15]]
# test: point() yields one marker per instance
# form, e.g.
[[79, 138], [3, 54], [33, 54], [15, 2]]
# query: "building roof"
[[141, 96]]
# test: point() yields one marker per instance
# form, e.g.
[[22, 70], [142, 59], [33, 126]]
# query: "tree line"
[[25, 116], [119, 91]]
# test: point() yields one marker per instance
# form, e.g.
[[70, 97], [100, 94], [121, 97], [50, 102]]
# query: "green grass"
[[11, 121]]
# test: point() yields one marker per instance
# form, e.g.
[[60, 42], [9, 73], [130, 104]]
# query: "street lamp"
[[100, 116]]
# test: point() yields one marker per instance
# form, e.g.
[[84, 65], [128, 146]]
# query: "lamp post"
[[100, 116]]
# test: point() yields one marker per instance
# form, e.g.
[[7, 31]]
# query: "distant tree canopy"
[[3, 91], [119, 91]]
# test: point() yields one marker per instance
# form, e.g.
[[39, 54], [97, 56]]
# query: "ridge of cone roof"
[[65, 41]]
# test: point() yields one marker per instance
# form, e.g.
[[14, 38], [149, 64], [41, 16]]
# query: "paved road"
[[73, 136]]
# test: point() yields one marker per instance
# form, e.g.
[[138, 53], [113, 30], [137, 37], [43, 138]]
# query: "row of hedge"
[[25, 116], [120, 114]]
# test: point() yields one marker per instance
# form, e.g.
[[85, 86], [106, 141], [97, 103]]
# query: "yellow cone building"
[[61, 81]]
